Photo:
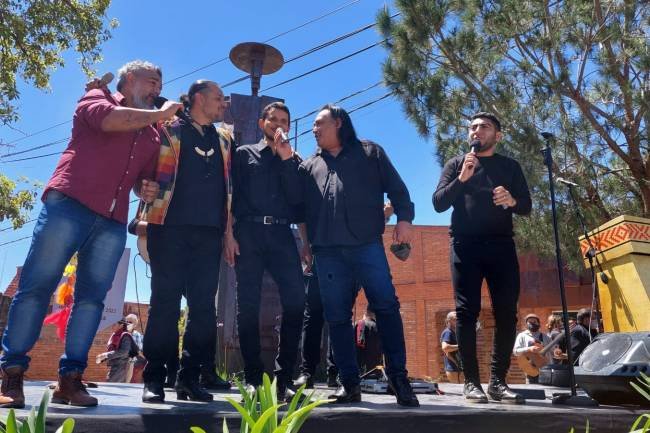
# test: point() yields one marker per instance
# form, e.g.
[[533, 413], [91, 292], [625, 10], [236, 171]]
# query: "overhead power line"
[[31, 149], [286, 32], [340, 59], [314, 49], [352, 110]]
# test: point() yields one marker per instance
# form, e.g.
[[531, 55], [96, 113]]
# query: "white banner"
[[114, 302]]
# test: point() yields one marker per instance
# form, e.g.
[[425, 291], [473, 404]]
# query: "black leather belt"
[[266, 220]]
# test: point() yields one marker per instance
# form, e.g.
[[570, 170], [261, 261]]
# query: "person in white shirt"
[[531, 340]]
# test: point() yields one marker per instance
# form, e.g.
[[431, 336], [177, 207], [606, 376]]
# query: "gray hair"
[[451, 315], [135, 66]]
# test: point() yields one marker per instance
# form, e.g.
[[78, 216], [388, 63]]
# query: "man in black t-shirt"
[[485, 190]]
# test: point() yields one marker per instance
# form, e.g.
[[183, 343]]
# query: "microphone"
[[475, 147], [548, 136], [285, 137], [566, 182], [159, 101], [106, 79]]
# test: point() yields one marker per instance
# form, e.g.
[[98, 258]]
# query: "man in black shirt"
[[580, 335], [184, 234], [343, 188], [485, 189], [264, 176]]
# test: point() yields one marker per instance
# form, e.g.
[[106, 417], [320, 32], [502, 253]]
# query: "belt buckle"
[[268, 220]]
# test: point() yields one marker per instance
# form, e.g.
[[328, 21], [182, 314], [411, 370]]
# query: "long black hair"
[[346, 133]]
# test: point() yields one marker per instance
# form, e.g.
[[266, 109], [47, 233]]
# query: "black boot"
[[347, 394], [499, 391], [332, 379], [473, 392], [304, 379], [191, 390], [403, 391], [153, 392]]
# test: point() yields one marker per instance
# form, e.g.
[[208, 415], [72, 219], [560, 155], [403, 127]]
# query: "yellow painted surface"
[[625, 300]]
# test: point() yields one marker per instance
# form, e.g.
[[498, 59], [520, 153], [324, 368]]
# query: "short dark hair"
[[275, 105], [346, 133], [582, 314], [489, 116]]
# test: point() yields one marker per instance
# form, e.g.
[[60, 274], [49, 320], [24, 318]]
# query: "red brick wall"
[[424, 288], [48, 349]]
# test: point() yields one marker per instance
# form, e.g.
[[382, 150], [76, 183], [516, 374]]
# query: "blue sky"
[[182, 39]]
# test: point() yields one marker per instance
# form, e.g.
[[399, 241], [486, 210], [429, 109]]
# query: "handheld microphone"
[[106, 79], [285, 137], [566, 182], [159, 101], [475, 147]]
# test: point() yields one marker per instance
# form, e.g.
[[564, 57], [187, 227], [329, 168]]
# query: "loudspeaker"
[[610, 363]]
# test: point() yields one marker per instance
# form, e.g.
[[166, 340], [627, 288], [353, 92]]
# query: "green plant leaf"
[[242, 411], [269, 413], [66, 427], [225, 427], [39, 423], [29, 426], [645, 427], [200, 430], [295, 420], [13, 426], [640, 390]]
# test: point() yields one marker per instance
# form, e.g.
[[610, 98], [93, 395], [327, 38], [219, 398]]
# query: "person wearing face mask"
[[531, 340], [485, 190], [113, 149], [265, 174]]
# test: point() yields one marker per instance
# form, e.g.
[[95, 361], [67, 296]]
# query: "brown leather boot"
[[71, 391], [11, 392]]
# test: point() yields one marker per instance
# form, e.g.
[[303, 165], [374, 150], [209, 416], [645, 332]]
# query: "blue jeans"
[[64, 227], [340, 272]]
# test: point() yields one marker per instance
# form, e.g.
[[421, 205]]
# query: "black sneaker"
[[474, 393], [499, 391]]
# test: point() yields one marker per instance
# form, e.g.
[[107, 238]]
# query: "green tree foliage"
[[577, 68], [35, 33], [14, 204]]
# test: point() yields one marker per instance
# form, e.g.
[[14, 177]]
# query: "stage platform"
[[120, 410]]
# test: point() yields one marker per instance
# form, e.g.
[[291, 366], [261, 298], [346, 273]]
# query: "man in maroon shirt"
[[114, 148]]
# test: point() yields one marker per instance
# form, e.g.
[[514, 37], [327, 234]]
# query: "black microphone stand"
[[590, 255], [568, 399]]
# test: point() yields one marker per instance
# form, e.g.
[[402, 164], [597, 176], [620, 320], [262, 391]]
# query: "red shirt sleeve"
[[94, 106]]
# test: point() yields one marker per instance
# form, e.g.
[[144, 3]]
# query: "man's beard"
[[141, 102]]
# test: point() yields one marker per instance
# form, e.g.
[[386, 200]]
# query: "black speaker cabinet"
[[610, 363]]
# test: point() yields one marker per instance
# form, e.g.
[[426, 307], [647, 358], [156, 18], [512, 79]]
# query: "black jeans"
[[272, 248], [312, 330], [184, 260], [495, 260]]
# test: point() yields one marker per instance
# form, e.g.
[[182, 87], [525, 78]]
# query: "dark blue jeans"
[[64, 227], [340, 272]]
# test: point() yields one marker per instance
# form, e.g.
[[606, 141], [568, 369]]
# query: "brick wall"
[[424, 288], [423, 285], [48, 350]]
